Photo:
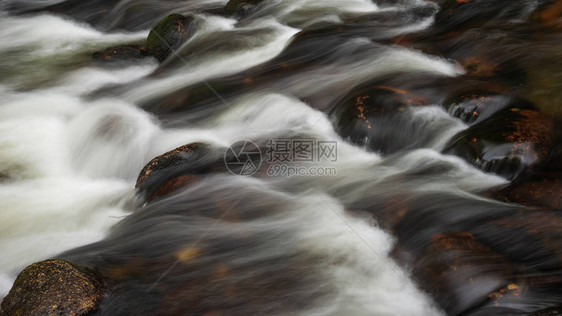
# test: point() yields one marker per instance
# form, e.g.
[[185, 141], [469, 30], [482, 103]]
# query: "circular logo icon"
[[243, 158]]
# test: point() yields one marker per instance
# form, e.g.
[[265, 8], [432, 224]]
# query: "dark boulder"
[[170, 171], [485, 258], [533, 193], [169, 159], [470, 13], [120, 53], [553, 311], [512, 144], [454, 265], [190, 163], [377, 117], [543, 189], [239, 7], [476, 106], [548, 14], [543, 194], [166, 259], [54, 287], [168, 35]]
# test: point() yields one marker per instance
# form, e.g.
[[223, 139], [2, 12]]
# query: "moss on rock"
[[239, 6], [168, 35], [54, 287]]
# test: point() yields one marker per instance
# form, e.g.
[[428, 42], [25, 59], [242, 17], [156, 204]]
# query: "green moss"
[[27, 272], [237, 6], [51, 286], [167, 35]]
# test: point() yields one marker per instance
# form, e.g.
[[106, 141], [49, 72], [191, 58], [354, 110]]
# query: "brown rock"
[[512, 144], [543, 194], [164, 161], [458, 271], [370, 115], [171, 171], [173, 185], [54, 287]]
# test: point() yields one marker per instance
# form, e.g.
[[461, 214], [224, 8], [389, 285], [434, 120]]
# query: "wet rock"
[[482, 259], [477, 106], [553, 311], [172, 186], [546, 194], [454, 265], [172, 170], [159, 263], [54, 287], [168, 35], [371, 116], [544, 86], [549, 14], [164, 161], [467, 13], [307, 51], [202, 98], [240, 7], [111, 15], [120, 53], [512, 144], [530, 238]]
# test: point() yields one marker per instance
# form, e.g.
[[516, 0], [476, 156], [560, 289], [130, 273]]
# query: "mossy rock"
[[512, 144], [54, 287], [239, 7], [168, 35]]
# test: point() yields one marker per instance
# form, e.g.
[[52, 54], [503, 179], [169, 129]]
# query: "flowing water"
[[74, 135]]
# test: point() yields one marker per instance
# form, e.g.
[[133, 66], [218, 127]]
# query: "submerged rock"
[[543, 189], [168, 35], [371, 115], [160, 264], [549, 14], [468, 13], [553, 311], [543, 194], [239, 6], [120, 53], [477, 106], [454, 264], [512, 144], [54, 287]]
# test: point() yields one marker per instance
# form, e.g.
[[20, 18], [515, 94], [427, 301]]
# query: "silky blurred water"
[[69, 160]]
